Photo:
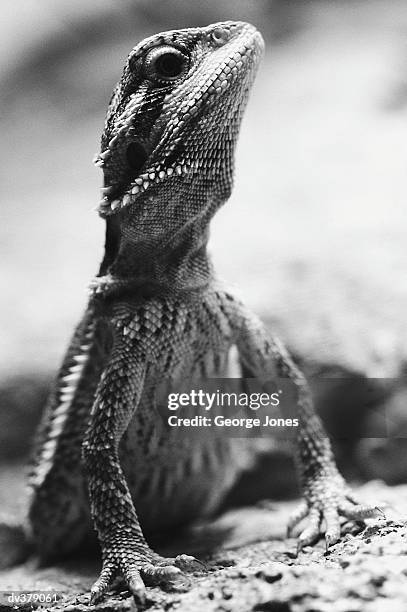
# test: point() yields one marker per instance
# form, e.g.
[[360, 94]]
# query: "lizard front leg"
[[125, 551], [326, 494]]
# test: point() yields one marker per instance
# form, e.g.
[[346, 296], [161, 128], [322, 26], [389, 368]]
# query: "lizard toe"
[[161, 573], [187, 563], [136, 586], [327, 499], [102, 584], [168, 577], [170, 572], [126, 567], [142, 568], [297, 516], [352, 508], [311, 532]]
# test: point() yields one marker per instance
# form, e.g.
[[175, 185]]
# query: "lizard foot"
[[14, 546], [137, 572], [327, 498]]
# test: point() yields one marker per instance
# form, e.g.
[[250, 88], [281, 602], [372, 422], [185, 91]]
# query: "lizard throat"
[[133, 269]]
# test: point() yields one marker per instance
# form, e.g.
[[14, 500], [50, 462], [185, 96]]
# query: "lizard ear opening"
[[136, 156]]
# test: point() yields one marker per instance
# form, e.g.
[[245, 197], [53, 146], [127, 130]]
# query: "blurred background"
[[313, 237]]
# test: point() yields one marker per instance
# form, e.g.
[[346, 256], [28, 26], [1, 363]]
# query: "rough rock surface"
[[251, 567]]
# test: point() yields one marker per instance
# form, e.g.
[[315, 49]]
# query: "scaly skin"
[[158, 314]]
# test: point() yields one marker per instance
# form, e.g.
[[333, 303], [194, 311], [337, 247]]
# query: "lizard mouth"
[[116, 197], [136, 156]]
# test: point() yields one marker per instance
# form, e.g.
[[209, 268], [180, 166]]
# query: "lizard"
[[103, 459]]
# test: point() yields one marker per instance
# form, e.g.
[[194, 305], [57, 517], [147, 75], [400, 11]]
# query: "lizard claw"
[[137, 572], [133, 580], [137, 589], [380, 511], [187, 563], [171, 571], [102, 584], [312, 531], [327, 498]]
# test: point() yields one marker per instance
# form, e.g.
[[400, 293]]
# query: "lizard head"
[[168, 144]]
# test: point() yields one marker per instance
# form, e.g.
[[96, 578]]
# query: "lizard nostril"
[[136, 156], [220, 36]]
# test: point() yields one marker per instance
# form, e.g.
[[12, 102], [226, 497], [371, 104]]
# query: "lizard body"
[[158, 313]]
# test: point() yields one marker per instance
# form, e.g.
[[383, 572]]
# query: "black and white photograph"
[[203, 328]]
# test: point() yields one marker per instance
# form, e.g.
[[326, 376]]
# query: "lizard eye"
[[165, 63]]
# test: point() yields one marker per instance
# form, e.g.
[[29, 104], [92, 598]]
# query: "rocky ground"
[[254, 568]]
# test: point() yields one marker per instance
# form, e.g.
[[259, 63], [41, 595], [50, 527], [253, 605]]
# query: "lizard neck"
[[178, 264]]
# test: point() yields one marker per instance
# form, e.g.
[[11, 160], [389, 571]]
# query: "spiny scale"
[[140, 185]]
